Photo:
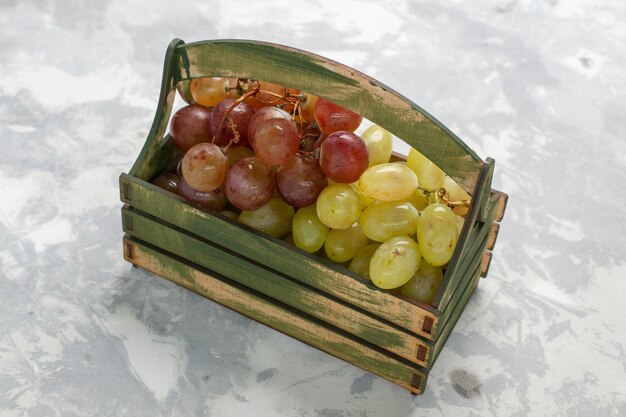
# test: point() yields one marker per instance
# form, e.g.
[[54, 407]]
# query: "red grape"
[[249, 183], [300, 181], [168, 182], [331, 117], [204, 167], [213, 200], [261, 115], [190, 126], [343, 157], [240, 116], [276, 141]]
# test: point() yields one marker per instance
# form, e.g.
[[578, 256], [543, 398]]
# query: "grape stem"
[[452, 204], [229, 111]]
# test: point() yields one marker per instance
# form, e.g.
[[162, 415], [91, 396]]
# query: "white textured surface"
[[538, 85]]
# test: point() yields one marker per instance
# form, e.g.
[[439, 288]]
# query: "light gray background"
[[538, 85]]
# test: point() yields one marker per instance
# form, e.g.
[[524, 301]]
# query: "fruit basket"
[[267, 279]]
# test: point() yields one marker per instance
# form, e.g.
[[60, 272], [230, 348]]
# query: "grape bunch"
[[290, 165]]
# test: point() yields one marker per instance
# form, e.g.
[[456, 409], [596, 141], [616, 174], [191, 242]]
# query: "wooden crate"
[[307, 297]]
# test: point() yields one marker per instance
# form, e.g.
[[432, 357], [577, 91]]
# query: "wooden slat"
[[277, 286], [485, 262], [503, 200], [278, 255], [335, 82], [493, 235], [456, 314], [293, 323]]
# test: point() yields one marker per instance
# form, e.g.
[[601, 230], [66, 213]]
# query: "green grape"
[[230, 214], [338, 206], [460, 221], [309, 233], [423, 286], [386, 219], [419, 199], [437, 234], [361, 261], [274, 218], [379, 143], [454, 190], [395, 262], [342, 244], [388, 182], [429, 175]]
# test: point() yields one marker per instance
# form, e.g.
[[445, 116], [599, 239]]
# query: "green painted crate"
[[302, 295]]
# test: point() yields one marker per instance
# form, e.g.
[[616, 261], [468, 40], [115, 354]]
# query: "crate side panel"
[[281, 288], [220, 289], [278, 255], [456, 314]]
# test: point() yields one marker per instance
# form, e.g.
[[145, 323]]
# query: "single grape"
[[343, 157], [429, 175], [274, 218], [239, 116], [395, 262], [386, 219], [338, 206], [331, 117], [388, 182], [460, 221], [437, 234], [454, 190], [212, 200], [204, 167], [209, 91], [300, 181], [276, 141], [461, 210], [235, 153], [230, 214], [423, 286], [360, 264], [309, 233], [419, 199], [249, 184], [190, 126], [261, 115], [342, 244], [379, 144], [168, 181]]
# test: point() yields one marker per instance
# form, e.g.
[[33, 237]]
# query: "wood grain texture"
[[278, 255], [254, 305], [277, 286]]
